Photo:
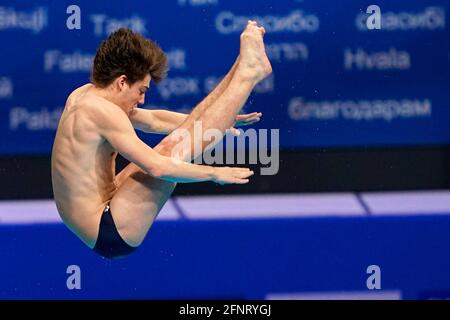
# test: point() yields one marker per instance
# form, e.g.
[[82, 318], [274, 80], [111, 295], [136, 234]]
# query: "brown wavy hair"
[[128, 53]]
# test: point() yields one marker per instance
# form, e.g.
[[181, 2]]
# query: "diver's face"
[[134, 95]]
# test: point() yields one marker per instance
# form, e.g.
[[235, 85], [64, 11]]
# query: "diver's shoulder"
[[75, 98], [78, 92], [97, 107]]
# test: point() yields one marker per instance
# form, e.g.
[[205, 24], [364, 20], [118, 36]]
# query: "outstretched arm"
[[164, 121], [118, 131], [156, 121]]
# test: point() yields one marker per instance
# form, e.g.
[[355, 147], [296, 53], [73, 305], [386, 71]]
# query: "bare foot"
[[253, 61]]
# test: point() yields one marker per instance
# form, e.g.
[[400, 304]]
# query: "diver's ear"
[[122, 82]]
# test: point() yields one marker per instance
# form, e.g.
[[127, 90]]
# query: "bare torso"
[[83, 166]]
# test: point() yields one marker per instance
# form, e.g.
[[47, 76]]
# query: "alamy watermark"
[[74, 280], [374, 280], [207, 147], [374, 20], [74, 20]]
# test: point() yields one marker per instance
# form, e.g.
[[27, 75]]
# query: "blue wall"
[[235, 259], [335, 83]]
